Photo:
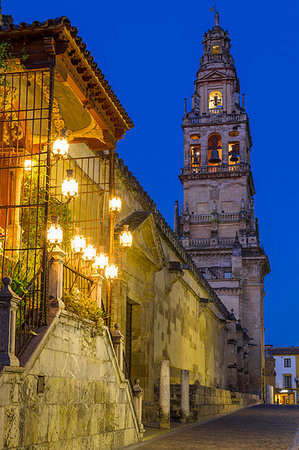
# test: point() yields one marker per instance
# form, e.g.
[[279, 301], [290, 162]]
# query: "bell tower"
[[217, 223]]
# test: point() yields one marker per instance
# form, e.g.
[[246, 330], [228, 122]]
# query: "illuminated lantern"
[[126, 237], [90, 253], [28, 165], [101, 261], [60, 147], [111, 271], [115, 204], [69, 186], [78, 244], [55, 233]]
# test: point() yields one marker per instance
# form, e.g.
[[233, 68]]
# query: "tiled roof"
[[61, 23], [283, 350]]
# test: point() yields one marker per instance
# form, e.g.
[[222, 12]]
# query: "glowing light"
[[55, 232], [78, 244], [69, 185], [90, 253], [101, 261], [60, 147], [28, 165], [115, 204], [111, 271], [126, 237]]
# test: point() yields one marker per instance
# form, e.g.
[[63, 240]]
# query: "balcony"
[[211, 117], [223, 217], [215, 110], [242, 167]]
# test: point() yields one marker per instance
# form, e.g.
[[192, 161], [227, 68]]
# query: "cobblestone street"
[[260, 427]]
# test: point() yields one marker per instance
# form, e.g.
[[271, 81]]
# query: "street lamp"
[[115, 204], [55, 232], [78, 244], [60, 147], [111, 271], [126, 237], [69, 187], [90, 253], [101, 261]]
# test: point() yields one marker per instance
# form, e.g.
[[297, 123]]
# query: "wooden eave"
[[55, 43]]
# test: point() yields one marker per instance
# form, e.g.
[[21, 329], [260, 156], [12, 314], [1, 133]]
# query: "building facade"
[[217, 222], [286, 374]]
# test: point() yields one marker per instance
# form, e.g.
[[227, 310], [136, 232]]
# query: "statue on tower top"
[[213, 9]]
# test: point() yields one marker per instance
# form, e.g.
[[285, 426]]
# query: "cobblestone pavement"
[[260, 427]]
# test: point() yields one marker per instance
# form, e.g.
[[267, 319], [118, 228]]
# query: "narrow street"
[[260, 427]]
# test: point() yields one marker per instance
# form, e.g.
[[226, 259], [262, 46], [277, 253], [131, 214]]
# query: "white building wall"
[[281, 370]]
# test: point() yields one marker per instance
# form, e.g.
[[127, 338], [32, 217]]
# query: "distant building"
[[287, 374]]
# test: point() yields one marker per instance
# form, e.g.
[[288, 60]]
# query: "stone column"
[[56, 278], [8, 308], [164, 395], [204, 154], [185, 406], [270, 394], [137, 397], [118, 344]]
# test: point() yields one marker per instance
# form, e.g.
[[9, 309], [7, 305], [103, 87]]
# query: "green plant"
[[8, 63], [84, 306]]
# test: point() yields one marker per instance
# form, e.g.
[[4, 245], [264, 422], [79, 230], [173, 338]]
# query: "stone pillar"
[[185, 406], [164, 394], [8, 308], [137, 397], [224, 150], [204, 153], [232, 373], [56, 278], [118, 344], [270, 394]]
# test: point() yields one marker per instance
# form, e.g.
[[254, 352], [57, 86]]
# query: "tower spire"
[[216, 19]]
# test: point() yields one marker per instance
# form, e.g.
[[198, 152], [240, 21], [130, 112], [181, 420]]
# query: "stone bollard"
[[56, 278], [269, 394], [164, 395], [185, 406], [118, 344], [137, 397], [8, 308]]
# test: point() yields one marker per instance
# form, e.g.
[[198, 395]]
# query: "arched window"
[[214, 150], [233, 153], [215, 102], [195, 155]]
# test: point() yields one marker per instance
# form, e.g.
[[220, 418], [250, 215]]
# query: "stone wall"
[[71, 393], [208, 402]]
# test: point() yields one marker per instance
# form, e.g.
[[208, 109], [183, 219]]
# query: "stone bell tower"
[[217, 222]]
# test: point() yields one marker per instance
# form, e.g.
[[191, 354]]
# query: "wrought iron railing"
[[32, 312], [74, 280]]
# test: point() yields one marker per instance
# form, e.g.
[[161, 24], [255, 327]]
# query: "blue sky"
[[150, 52]]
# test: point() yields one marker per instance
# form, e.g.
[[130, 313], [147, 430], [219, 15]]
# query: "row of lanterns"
[[89, 252], [79, 245]]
